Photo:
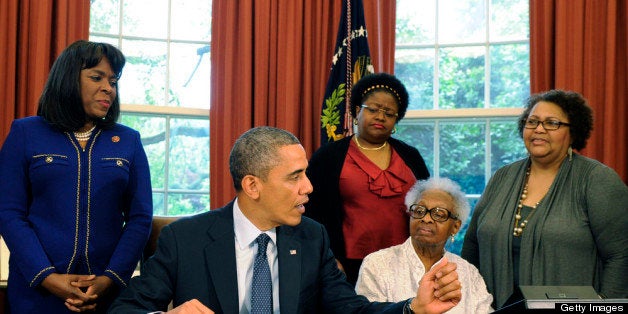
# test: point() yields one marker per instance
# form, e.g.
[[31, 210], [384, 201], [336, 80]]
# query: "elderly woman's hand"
[[439, 289]]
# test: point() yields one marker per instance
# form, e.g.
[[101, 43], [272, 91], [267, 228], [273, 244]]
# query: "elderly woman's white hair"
[[448, 186]]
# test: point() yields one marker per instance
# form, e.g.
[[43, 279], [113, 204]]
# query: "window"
[[466, 66], [164, 91]]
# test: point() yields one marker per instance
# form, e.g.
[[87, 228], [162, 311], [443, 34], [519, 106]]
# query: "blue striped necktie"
[[262, 288]]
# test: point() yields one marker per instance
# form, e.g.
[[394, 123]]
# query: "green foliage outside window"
[[166, 44], [463, 54]]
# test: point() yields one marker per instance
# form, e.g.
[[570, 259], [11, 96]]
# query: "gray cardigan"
[[577, 236]]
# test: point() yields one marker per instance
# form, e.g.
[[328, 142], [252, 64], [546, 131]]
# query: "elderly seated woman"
[[437, 207]]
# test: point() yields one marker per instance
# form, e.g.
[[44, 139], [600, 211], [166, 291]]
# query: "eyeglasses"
[[374, 111], [439, 214], [548, 125]]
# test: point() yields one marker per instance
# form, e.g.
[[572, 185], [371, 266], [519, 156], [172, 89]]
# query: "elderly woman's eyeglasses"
[[438, 214], [374, 111], [548, 125]]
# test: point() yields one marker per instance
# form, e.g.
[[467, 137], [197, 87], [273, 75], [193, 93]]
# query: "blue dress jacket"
[[65, 209]]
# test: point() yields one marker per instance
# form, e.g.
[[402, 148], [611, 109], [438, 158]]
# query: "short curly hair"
[[378, 82], [255, 152], [461, 204], [576, 108]]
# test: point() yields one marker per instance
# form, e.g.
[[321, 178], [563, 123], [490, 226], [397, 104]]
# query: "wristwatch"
[[407, 308]]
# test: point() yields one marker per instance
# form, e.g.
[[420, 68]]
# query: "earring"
[[452, 238], [570, 153], [394, 130], [355, 121]]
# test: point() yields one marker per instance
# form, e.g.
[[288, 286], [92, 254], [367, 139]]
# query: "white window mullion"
[[436, 149]]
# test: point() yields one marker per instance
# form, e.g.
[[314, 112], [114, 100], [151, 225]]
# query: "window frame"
[[486, 114], [160, 110]]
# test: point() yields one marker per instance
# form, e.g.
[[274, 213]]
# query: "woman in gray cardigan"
[[555, 218]]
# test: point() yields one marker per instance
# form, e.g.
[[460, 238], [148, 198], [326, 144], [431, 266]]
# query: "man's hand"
[[193, 306], [439, 289], [61, 286]]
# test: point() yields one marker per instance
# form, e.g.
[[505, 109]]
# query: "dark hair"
[[574, 106], [60, 103], [256, 152], [379, 82]]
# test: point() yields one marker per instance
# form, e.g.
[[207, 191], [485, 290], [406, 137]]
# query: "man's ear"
[[251, 186]]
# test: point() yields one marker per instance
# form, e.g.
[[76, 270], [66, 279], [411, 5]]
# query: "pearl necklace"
[[517, 230], [368, 148], [84, 136]]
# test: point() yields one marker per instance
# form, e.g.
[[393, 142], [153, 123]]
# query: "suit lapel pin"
[[293, 252], [115, 139]]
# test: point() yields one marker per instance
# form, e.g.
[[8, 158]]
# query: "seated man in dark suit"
[[213, 257]]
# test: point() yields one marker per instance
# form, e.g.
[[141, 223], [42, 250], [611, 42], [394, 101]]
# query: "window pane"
[[461, 21], [189, 154], [506, 144], [146, 70], [167, 48], [152, 130], [145, 18], [104, 16], [456, 247], [461, 81], [415, 68], [416, 22], [421, 136], [190, 20], [189, 75], [509, 20], [186, 204], [510, 75], [158, 204], [482, 61], [462, 154], [109, 40]]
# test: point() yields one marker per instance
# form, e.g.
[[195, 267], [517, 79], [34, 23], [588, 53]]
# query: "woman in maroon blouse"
[[360, 181]]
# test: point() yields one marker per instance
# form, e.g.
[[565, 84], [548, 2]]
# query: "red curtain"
[[33, 34], [381, 22], [270, 63], [581, 45]]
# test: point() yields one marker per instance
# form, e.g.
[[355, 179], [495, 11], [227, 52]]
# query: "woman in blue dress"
[[76, 205]]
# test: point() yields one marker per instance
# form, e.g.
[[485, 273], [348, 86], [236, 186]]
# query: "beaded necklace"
[[518, 227], [84, 136], [369, 148]]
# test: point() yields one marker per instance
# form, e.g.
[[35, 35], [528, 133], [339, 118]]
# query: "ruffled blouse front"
[[373, 203]]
